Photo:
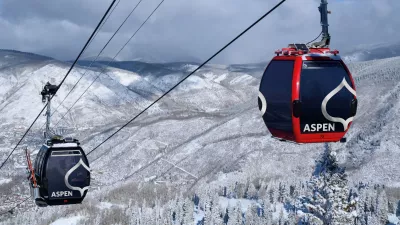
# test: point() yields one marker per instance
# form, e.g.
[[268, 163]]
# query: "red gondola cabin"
[[307, 95]]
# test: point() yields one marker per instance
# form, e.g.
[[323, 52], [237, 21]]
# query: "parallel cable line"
[[62, 81], [113, 59], [101, 26], [261, 18], [223, 48], [90, 65]]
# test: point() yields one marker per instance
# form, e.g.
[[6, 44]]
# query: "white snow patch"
[[105, 205], [279, 207], [393, 219], [244, 203], [109, 205], [221, 78], [5, 181], [67, 221], [147, 179], [198, 215], [241, 79], [125, 78]]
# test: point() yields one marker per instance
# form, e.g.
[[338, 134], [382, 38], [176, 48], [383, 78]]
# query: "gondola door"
[[275, 97], [327, 99]]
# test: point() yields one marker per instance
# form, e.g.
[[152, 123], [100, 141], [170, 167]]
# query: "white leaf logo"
[[81, 190], [263, 103], [329, 96]]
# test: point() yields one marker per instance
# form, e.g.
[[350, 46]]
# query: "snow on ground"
[[211, 127], [126, 78], [5, 180], [225, 203], [108, 205], [393, 219], [198, 215], [68, 221]]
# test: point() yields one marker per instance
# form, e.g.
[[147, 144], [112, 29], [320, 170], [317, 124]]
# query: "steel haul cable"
[[113, 59], [90, 65], [266, 14], [62, 81], [223, 48]]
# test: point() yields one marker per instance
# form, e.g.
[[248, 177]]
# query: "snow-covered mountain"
[[208, 132], [371, 52]]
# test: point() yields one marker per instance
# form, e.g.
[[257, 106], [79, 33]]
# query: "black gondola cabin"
[[62, 173], [307, 95]]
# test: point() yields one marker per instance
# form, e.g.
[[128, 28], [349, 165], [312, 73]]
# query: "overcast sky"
[[191, 29]]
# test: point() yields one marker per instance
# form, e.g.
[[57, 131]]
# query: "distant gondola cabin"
[[62, 173], [307, 95]]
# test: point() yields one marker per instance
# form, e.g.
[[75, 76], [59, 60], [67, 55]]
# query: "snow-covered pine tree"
[[171, 207], [216, 213], [252, 192], [291, 218], [157, 211], [251, 214], [263, 188], [398, 209], [239, 215], [328, 197], [226, 216], [189, 210], [271, 194], [281, 220], [207, 211], [382, 207], [281, 192], [391, 207], [292, 188], [267, 217], [232, 212]]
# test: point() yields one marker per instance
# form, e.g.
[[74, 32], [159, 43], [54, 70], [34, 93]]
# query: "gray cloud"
[[187, 30]]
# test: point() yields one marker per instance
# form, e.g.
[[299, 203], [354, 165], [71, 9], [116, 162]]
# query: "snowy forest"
[[203, 155], [326, 198]]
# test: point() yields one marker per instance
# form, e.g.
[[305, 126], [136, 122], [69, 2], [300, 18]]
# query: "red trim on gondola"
[[282, 134], [315, 54], [296, 93]]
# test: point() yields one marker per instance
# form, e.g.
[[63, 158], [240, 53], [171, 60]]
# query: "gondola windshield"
[[319, 81], [65, 170]]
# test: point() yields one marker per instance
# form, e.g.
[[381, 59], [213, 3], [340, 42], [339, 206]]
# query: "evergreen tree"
[[252, 192], [398, 209], [207, 212], [382, 207], [292, 188], [281, 192], [216, 214], [239, 215], [189, 210], [280, 219], [232, 212], [292, 218], [329, 200], [226, 216], [251, 215], [391, 207], [271, 195]]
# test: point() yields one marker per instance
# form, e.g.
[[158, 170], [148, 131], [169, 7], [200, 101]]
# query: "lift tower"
[[49, 90]]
